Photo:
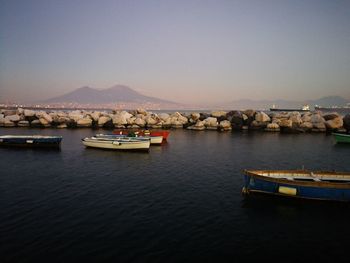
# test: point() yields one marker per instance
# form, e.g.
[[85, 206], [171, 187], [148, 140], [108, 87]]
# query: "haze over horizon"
[[184, 51]]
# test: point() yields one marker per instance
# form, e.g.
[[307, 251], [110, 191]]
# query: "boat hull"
[[164, 134], [317, 190], [30, 141], [300, 110], [153, 139], [134, 145], [341, 138]]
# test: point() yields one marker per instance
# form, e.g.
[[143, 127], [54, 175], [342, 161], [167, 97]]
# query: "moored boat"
[[305, 108], [341, 137], [117, 144], [30, 140], [152, 133], [153, 139], [299, 183]]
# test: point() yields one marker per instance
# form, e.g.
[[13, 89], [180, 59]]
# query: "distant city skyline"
[[186, 51]]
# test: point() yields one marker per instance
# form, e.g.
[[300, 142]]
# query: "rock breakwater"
[[294, 122]]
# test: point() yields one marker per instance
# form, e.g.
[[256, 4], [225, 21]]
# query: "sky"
[[185, 51]]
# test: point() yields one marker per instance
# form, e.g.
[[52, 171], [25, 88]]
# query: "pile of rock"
[[216, 120]]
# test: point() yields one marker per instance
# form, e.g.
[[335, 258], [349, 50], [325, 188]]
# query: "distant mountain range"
[[129, 98], [114, 94]]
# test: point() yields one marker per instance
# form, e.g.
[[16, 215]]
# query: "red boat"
[[165, 134]]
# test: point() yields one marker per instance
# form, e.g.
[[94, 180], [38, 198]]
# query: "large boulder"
[[164, 116], [9, 112], [23, 124], [317, 118], [203, 116], [13, 118], [262, 117], [29, 113], [75, 115], [295, 117], [199, 126], [44, 122], [84, 122], [194, 117], [44, 115], [60, 119], [95, 116], [335, 123], [103, 120], [225, 125], [140, 122], [121, 118], [306, 117], [141, 111], [2, 119], [273, 127], [35, 123], [218, 114], [151, 120], [286, 123], [319, 127], [236, 118], [176, 124], [211, 122], [8, 123], [257, 125], [61, 126], [330, 116], [182, 119], [249, 113], [306, 126]]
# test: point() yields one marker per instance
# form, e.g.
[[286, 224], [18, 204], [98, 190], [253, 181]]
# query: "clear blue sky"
[[186, 51]]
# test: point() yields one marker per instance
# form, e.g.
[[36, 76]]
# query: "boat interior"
[[304, 175]]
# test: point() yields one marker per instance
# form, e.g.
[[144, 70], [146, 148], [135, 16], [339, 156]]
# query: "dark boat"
[[30, 140], [304, 108], [299, 184]]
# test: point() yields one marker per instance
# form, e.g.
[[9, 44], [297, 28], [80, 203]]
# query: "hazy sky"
[[186, 51]]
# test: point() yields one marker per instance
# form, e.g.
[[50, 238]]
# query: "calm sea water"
[[180, 202]]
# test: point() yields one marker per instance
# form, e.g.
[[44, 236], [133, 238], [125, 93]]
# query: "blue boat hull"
[[297, 190], [31, 142]]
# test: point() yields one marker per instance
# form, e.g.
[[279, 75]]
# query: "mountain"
[[330, 101], [118, 93]]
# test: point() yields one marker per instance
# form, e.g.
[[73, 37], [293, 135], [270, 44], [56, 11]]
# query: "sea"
[[181, 202]]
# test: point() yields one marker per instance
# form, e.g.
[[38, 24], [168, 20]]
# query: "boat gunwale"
[[319, 184], [341, 134]]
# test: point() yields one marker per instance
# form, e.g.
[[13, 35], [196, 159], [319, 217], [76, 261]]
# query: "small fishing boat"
[[118, 143], [30, 140], [299, 183], [153, 139], [151, 133], [341, 137]]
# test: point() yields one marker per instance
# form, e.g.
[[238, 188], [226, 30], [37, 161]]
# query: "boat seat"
[[314, 177]]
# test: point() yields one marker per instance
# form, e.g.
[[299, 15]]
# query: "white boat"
[[154, 139], [117, 144]]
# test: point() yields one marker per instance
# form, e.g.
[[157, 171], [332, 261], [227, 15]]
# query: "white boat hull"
[[154, 139], [117, 144]]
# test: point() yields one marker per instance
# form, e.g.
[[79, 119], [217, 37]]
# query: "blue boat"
[[30, 140], [298, 184]]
